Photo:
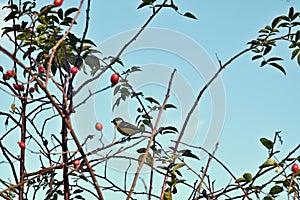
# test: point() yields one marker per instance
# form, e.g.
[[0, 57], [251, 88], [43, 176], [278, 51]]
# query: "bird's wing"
[[128, 125]]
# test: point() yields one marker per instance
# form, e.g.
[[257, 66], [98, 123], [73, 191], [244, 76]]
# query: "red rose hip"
[[31, 89], [58, 2], [99, 126], [6, 77], [21, 87], [74, 70], [16, 86], [10, 73], [114, 79], [22, 145], [41, 70], [295, 168], [76, 163]]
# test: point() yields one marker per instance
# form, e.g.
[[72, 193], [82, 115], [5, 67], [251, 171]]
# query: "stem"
[[65, 160], [151, 137], [22, 158]]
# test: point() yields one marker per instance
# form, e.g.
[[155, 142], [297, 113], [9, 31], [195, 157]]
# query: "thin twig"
[[54, 49], [151, 137], [121, 51], [220, 162]]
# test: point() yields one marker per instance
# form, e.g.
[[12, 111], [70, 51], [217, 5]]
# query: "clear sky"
[[247, 103]]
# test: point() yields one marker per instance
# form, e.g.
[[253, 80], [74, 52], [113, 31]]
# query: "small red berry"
[[6, 77], [41, 70], [10, 73], [58, 2], [31, 89], [99, 126], [1, 69], [16, 86], [21, 87], [114, 79], [22, 145], [295, 168], [74, 70], [76, 163]]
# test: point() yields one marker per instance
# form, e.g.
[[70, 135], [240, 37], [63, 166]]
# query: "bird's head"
[[117, 121]]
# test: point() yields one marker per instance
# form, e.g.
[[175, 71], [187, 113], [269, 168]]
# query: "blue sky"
[[258, 101]]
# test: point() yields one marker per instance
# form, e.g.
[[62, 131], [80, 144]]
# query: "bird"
[[124, 127]]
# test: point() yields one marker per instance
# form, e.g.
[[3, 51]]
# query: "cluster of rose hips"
[[11, 73], [8, 74]]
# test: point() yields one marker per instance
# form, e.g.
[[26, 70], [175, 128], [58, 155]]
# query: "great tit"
[[125, 128]]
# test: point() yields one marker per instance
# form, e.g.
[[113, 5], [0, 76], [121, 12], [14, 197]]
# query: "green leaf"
[[275, 190], [274, 59], [297, 35], [267, 143], [285, 24], [263, 63], [119, 61], [117, 103], [177, 166], [248, 177], [267, 50], [242, 179], [268, 27], [268, 163], [92, 61], [143, 5], [190, 15], [256, 57], [148, 159], [125, 91], [168, 194], [295, 53], [141, 150], [298, 59], [276, 21], [70, 11], [151, 100], [146, 122], [116, 90], [188, 153], [77, 191], [268, 198], [149, 1], [255, 187], [79, 197], [264, 31], [170, 106], [278, 67], [60, 14], [172, 128], [10, 16], [291, 13], [163, 167], [135, 69]]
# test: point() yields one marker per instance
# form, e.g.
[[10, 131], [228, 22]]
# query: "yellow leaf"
[[13, 107]]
